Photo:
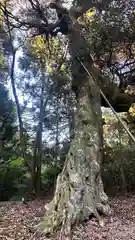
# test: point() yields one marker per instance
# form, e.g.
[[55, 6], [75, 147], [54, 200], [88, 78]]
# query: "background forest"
[[38, 103]]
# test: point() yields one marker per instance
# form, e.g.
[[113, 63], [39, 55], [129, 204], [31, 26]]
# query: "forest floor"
[[17, 217]]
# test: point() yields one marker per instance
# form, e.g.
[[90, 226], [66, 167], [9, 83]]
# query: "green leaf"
[[17, 162]]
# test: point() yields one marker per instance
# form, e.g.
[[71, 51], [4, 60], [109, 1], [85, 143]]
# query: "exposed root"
[[79, 189], [74, 201]]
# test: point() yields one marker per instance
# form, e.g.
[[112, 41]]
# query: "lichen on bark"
[[79, 189]]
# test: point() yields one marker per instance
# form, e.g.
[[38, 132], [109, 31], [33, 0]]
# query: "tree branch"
[[19, 24], [82, 6], [120, 101], [39, 10]]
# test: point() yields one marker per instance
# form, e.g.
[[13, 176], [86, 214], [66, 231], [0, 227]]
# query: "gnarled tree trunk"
[[79, 189]]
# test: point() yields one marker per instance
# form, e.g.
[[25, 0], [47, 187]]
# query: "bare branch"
[[30, 24], [36, 6]]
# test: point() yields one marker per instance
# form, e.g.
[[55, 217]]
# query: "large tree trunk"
[[79, 189]]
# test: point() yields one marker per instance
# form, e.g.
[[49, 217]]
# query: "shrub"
[[49, 176], [119, 163], [12, 176]]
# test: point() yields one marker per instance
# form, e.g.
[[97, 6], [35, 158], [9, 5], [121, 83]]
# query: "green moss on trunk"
[[79, 190]]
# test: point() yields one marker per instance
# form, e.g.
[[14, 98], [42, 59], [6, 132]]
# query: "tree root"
[[71, 205]]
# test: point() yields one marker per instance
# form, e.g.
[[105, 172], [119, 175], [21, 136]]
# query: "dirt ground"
[[15, 220]]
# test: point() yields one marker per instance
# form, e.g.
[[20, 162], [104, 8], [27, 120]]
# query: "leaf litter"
[[16, 218]]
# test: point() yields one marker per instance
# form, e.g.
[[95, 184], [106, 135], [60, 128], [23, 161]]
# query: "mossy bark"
[[79, 189]]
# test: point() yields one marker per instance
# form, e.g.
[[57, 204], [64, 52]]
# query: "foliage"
[[12, 176], [7, 121], [91, 13], [107, 30], [114, 133], [41, 48], [132, 111], [1, 60], [115, 161], [8, 129], [49, 176]]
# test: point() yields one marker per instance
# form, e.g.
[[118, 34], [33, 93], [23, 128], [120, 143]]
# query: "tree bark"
[[36, 173], [19, 115], [123, 178], [12, 76], [79, 189], [120, 101], [57, 128], [71, 116], [15, 95]]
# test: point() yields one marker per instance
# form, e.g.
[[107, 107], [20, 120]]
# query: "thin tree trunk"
[[13, 52], [34, 164], [21, 129], [15, 95], [37, 159], [57, 128]]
